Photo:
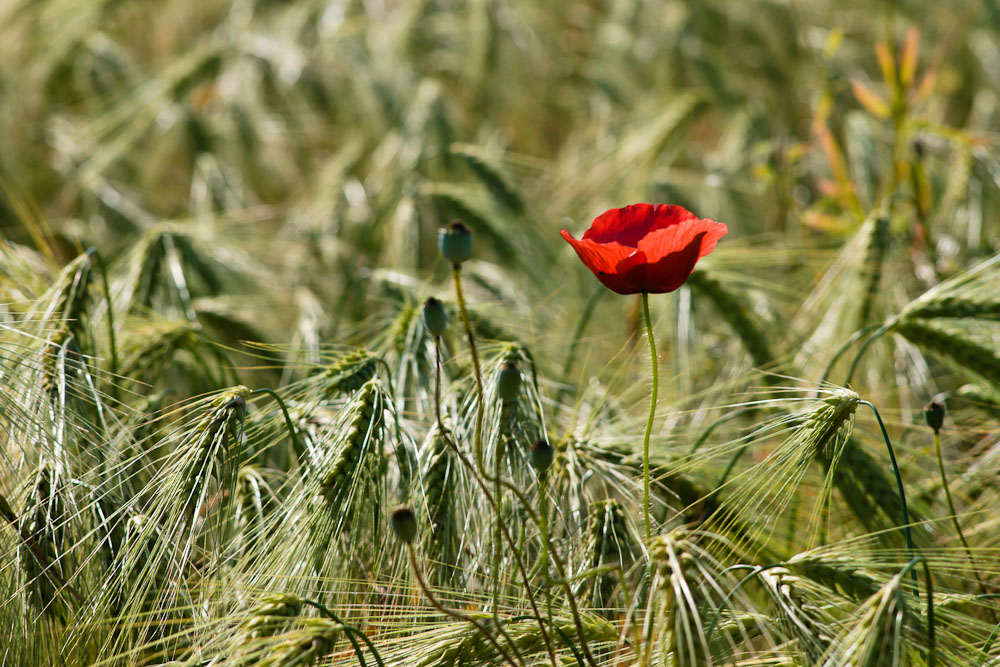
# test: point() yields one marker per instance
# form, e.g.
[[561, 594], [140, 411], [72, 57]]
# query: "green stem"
[[543, 525], [457, 615], [556, 561], [729, 596], [855, 337], [951, 506], [437, 382], [929, 584], [479, 479], [113, 361], [718, 422], [288, 420], [351, 632], [954, 516], [899, 484], [581, 326], [456, 274], [864, 348], [649, 422], [497, 491]]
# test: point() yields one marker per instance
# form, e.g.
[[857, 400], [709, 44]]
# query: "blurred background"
[[197, 194], [277, 170]]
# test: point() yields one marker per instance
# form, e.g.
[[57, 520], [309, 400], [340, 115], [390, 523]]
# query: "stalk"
[[456, 274], [899, 484], [457, 615], [497, 520], [954, 518], [351, 632], [491, 499], [652, 415]]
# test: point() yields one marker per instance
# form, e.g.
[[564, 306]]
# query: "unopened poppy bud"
[[404, 524], [435, 319], [934, 414], [455, 241], [541, 456], [508, 381]]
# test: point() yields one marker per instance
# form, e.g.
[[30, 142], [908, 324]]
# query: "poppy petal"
[[602, 259], [629, 224], [671, 270], [663, 242], [646, 247]]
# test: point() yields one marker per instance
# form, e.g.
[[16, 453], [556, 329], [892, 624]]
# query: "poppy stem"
[[456, 273], [954, 518], [459, 616], [482, 480], [652, 415]]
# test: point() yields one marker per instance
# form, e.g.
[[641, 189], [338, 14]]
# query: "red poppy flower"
[[646, 247]]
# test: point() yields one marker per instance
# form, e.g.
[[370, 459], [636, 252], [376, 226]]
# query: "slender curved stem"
[[497, 519], [954, 517], [649, 421], [478, 477], [855, 337], [864, 348], [111, 319], [718, 422], [556, 560], [951, 505], [581, 326], [563, 635], [543, 525], [457, 615], [456, 274], [899, 483], [729, 596], [989, 640], [482, 478], [284, 411], [437, 381], [929, 584], [351, 632]]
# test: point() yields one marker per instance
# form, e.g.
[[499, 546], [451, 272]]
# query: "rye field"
[[462, 333]]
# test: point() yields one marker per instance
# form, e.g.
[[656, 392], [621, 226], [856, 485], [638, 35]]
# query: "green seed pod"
[[404, 524], [541, 456], [508, 381], [435, 319], [934, 414], [455, 241]]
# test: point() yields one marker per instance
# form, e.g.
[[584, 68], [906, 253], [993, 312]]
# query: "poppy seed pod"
[[404, 524], [435, 319], [541, 456], [508, 381], [455, 241], [934, 414]]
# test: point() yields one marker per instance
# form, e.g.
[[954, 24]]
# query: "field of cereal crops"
[[264, 403]]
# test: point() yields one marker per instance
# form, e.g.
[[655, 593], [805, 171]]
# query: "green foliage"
[[201, 199]]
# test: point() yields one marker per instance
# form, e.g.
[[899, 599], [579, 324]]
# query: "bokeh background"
[[297, 148], [197, 195]]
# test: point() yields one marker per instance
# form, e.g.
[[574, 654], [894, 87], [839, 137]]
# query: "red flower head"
[[646, 247]]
